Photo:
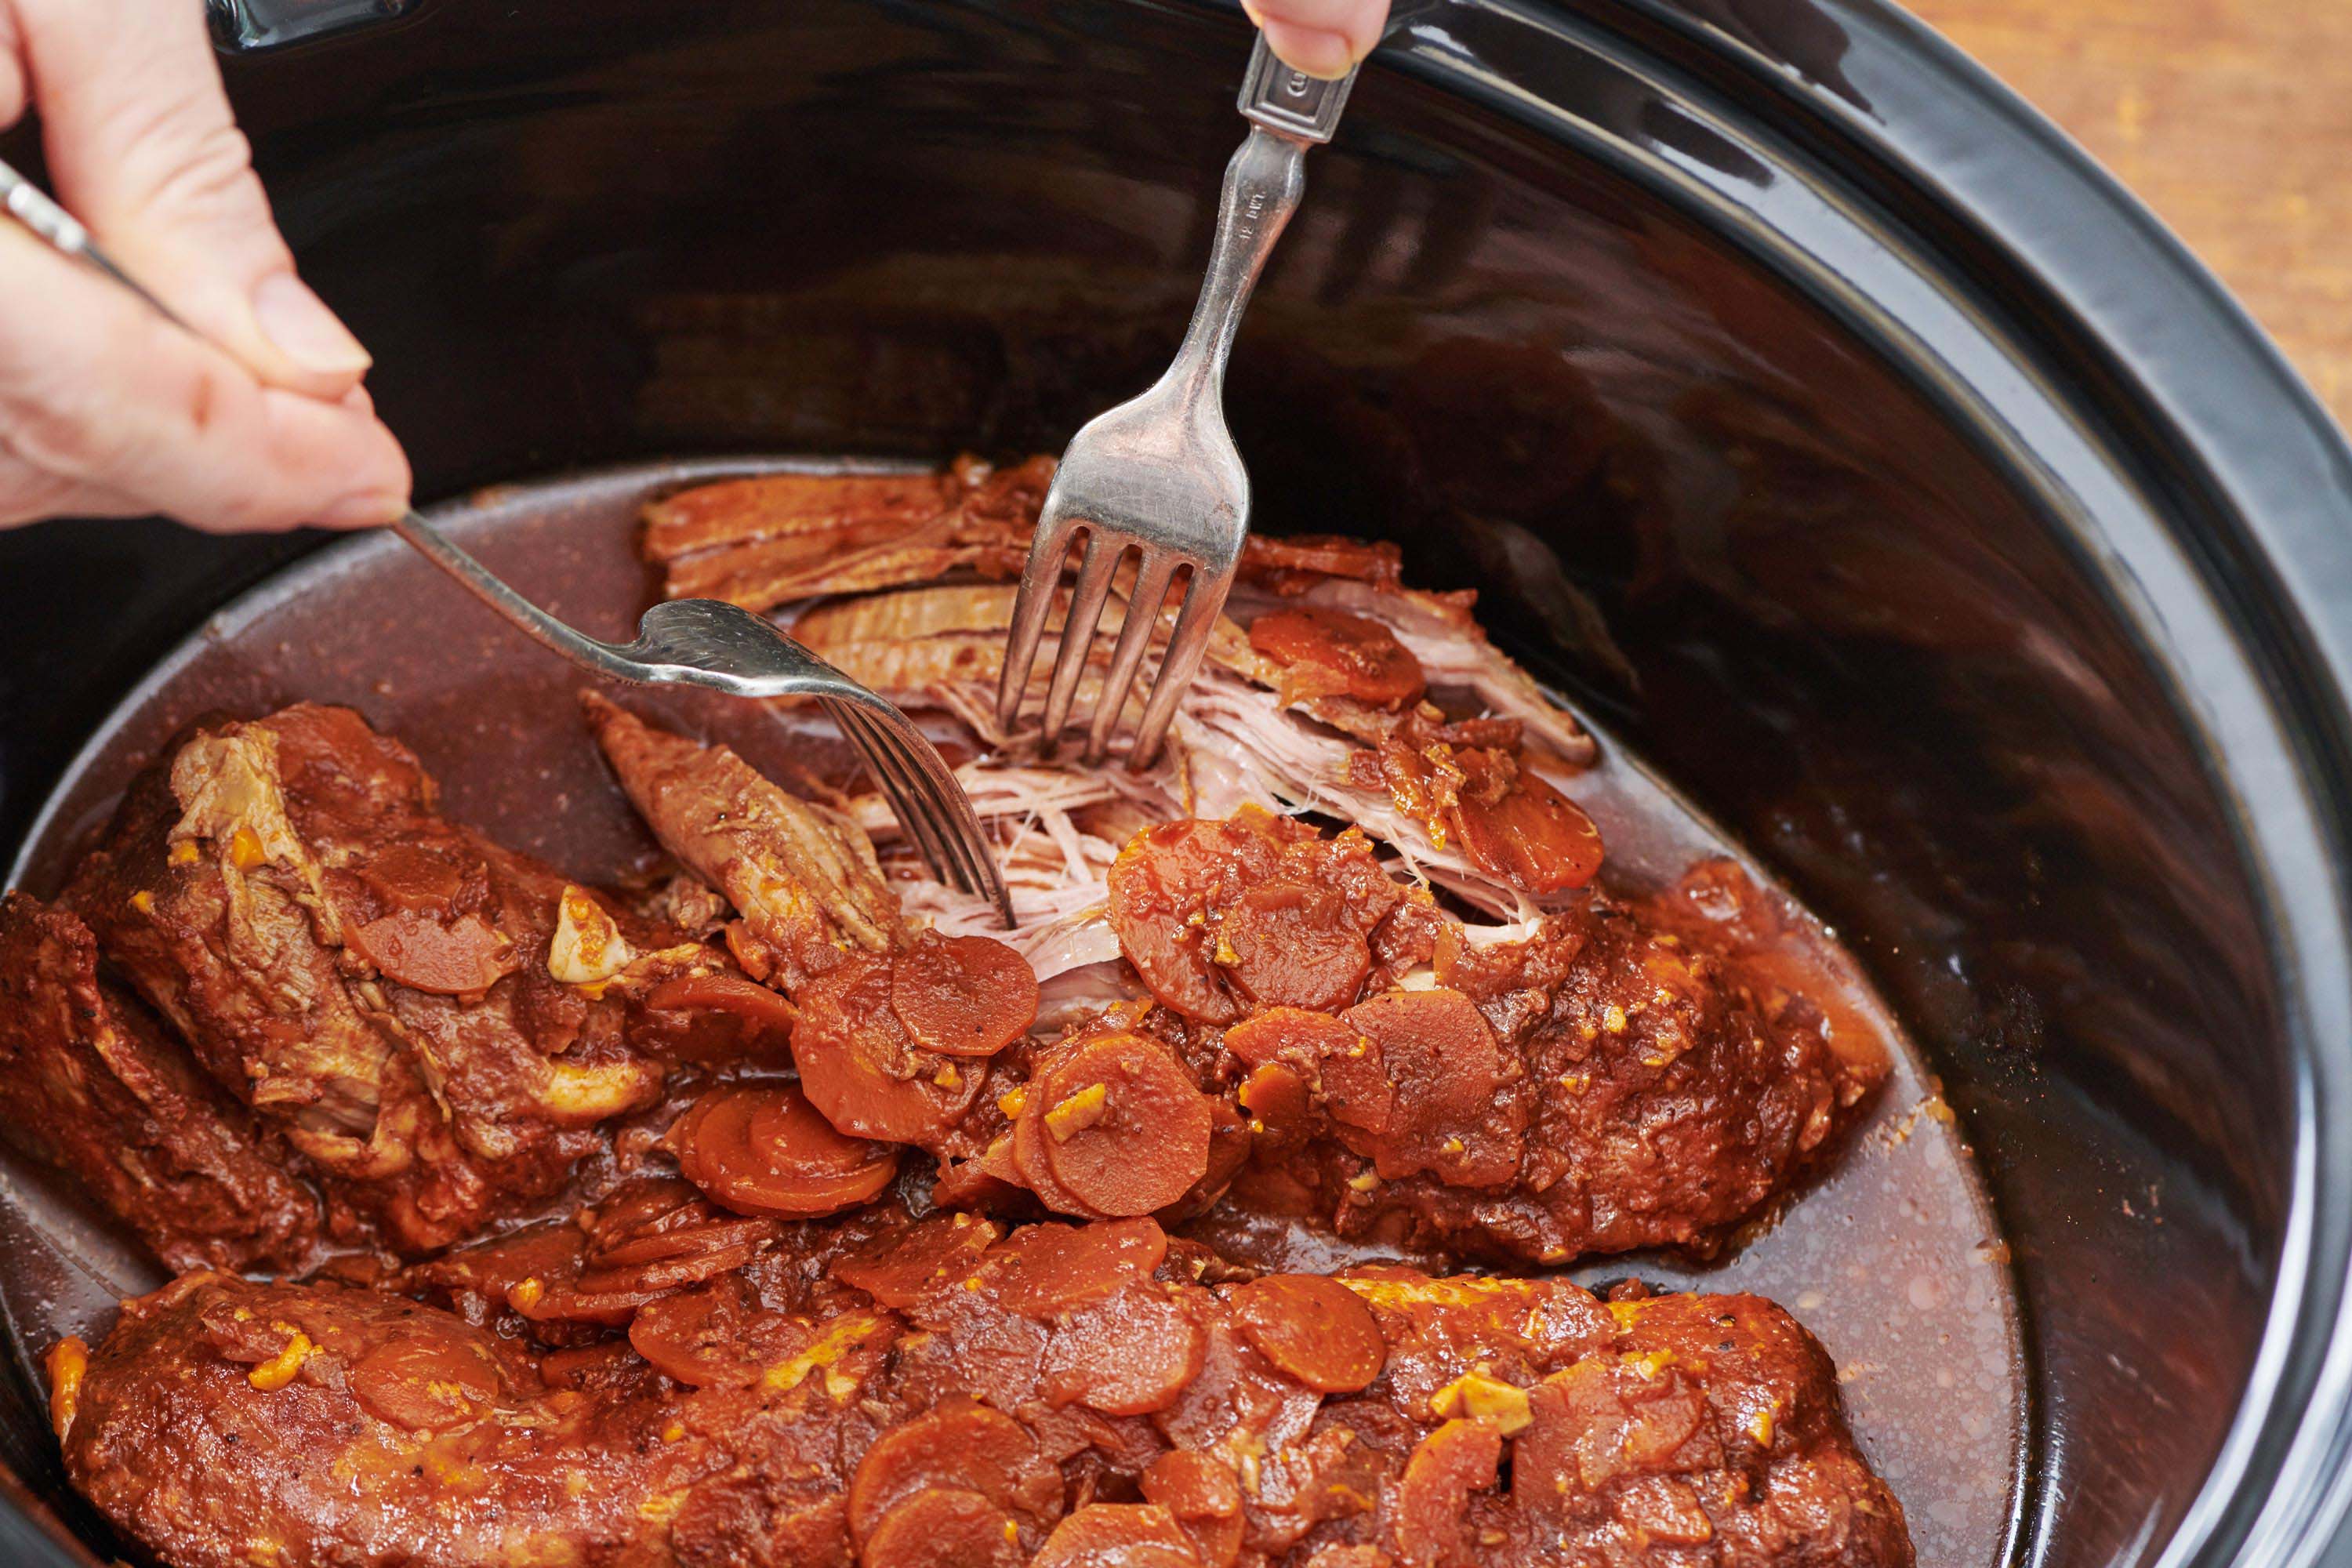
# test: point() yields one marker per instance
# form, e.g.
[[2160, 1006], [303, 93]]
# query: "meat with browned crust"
[[896, 1397], [91, 1085], [803, 875], [440, 1027]]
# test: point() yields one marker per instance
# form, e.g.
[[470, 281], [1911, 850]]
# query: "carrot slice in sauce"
[[1292, 944], [462, 958], [700, 1338], [1044, 1270], [762, 1149], [1126, 1129], [861, 1068], [414, 877], [957, 1443], [1117, 1535], [944, 1527], [963, 995], [1129, 1355], [1525, 831], [1282, 1113], [1345, 1069], [1330, 653], [902, 1267], [721, 991], [425, 1380], [1205, 1498], [1444, 1469], [1162, 886], [1314, 1329]]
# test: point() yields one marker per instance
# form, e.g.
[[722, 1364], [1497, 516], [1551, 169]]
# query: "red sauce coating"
[[1119, 1535], [964, 995], [861, 1067], [426, 1381], [762, 1149], [462, 958], [1328, 653], [1314, 1329], [901, 1266], [1119, 1124]]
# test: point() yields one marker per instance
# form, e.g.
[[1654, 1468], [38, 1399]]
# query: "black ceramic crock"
[[1791, 393]]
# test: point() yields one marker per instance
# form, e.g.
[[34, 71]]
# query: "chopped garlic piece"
[[1481, 1397], [588, 948], [1078, 1112]]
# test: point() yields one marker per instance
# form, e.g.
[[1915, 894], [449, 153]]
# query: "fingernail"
[[367, 509], [1315, 51], [304, 329]]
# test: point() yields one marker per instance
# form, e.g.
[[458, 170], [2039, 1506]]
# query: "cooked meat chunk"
[[802, 877], [888, 1394], [760, 542], [91, 1085], [764, 540], [439, 1026]]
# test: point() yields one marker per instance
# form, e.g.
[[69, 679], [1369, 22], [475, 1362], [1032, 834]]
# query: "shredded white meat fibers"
[[1060, 825]]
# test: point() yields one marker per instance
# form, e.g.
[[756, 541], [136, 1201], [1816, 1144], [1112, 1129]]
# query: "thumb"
[[144, 150]]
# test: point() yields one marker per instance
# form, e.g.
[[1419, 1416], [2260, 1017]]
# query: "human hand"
[[106, 409], [1322, 37]]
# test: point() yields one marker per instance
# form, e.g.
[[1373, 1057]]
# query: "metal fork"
[[1160, 473], [689, 642]]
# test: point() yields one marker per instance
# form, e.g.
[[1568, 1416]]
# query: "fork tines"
[[1155, 570]]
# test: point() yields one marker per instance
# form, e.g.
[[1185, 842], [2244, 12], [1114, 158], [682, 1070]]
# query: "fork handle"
[[1290, 102], [1263, 182]]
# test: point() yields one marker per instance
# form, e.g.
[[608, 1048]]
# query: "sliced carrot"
[[426, 1381], [1117, 1535], [944, 1527], [1205, 1498], [462, 958], [762, 1149], [1128, 1356], [1330, 653], [1314, 1329], [723, 991], [902, 1267], [700, 1338], [862, 1070], [1126, 1127], [1045, 1270], [1162, 886], [964, 995], [1294, 944], [957, 1443]]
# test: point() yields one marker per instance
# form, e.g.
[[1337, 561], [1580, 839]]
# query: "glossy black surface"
[[1951, 535]]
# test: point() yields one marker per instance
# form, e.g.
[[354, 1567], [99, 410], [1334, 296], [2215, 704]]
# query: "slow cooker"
[[1793, 396]]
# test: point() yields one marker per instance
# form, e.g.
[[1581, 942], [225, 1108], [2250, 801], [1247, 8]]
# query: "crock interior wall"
[[580, 232]]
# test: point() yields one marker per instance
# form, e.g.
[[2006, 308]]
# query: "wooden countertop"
[[2232, 119]]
